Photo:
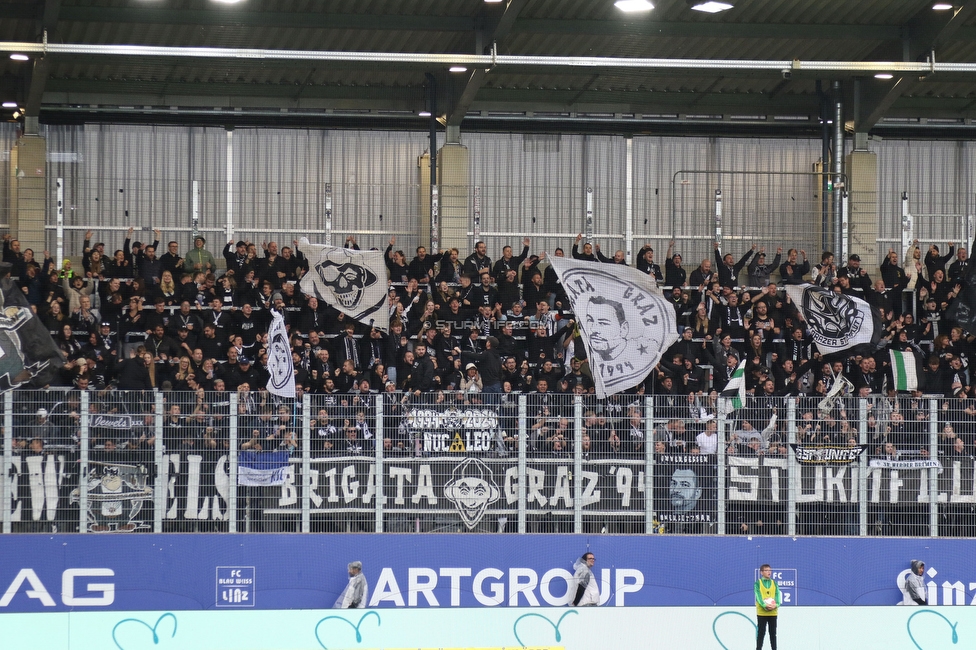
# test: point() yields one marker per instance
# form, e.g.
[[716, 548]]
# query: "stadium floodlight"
[[633, 6], [711, 7]]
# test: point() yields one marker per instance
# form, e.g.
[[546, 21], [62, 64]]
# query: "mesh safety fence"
[[450, 461]]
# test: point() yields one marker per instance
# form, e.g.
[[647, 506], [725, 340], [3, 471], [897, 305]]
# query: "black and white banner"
[[471, 489], [625, 320], [920, 463], [27, 351], [685, 490], [768, 480], [354, 282], [827, 455], [835, 321], [453, 430], [40, 487], [281, 368]]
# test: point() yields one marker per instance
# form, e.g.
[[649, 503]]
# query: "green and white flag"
[[903, 369], [735, 390]]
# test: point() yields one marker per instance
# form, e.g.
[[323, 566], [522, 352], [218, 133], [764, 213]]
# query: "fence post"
[[933, 471], [648, 465], [791, 468], [720, 462], [522, 447], [232, 501], [8, 457], [328, 214], [59, 225], [577, 464], [378, 477], [844, 223], [906, 226], [162, 466], [718, 216], [306, 463], [862, 469], [83, 464]]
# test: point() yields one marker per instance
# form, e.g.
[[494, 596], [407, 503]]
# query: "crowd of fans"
[[467, 329]]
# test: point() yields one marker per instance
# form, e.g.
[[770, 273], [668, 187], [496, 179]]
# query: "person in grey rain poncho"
[[356, 593], [587, 592], [915, 583]]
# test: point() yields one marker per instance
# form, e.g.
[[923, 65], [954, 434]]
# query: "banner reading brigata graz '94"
[[472, 489]]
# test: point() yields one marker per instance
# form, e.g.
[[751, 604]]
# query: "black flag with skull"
[[354, 282]]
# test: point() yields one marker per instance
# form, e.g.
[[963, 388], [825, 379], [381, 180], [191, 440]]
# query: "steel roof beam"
[[479, 75]]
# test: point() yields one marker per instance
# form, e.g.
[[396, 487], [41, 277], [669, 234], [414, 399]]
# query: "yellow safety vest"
[[772, 591]]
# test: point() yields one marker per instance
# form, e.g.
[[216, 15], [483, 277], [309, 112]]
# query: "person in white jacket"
[[587, 592], [915, 584], [356, 593]]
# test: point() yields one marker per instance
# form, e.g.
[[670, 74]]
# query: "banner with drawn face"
[[354, 282]]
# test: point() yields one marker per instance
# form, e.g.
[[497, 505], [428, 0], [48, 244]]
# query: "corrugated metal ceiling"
[[754, 29]]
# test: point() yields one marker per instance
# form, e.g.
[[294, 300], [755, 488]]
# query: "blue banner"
[[262, 467], [286, 571]]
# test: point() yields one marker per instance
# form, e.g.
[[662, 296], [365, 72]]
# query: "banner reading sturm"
[[626, 322]]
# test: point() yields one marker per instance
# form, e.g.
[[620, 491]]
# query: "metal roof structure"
[[534, 64]]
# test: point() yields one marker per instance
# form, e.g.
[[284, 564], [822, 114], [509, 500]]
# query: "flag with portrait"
[[626, 322], [351, 281]]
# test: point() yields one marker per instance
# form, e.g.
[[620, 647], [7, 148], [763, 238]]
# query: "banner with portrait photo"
[[626, 322], [685, 492]]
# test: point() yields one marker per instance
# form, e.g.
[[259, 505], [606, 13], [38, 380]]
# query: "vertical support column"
[[522, 465], [588, 223], [328, 213], [230, 179], [195, 214], [380, 499], [59, 223], [232, 468], [577, 464], [862, 469], [83, 463], [629, 206], [838, 170], [792, 468], [720, 462], [162, 467], [435, 228], [27, 190], [8, 458], [933, 471], [450, 221], [306, 463], [648, 464], [718, 216]]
